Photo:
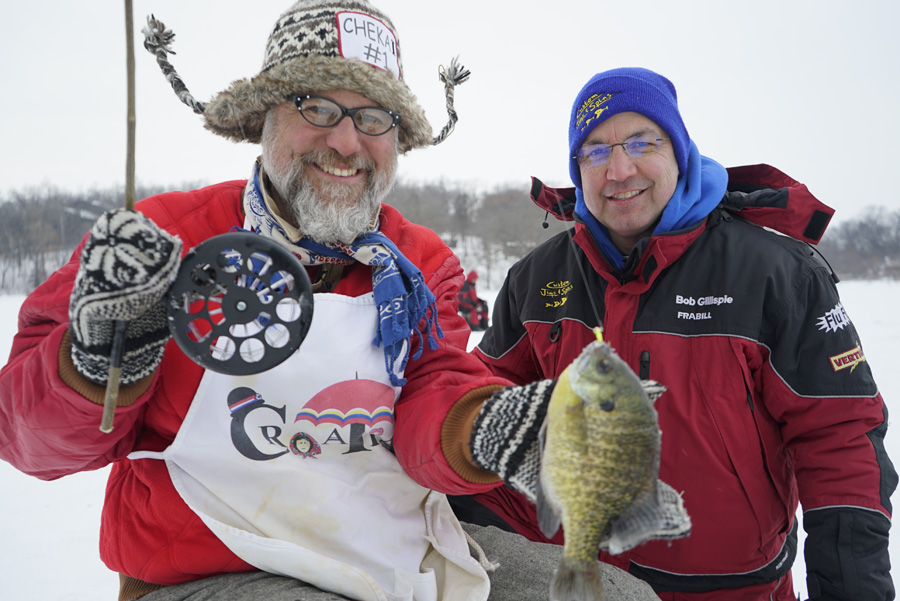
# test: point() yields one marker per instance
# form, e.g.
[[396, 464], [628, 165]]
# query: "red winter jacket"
[[769, 395], [49, 429]]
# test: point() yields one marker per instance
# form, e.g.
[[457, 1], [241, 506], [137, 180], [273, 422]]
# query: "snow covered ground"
[[49, 530]]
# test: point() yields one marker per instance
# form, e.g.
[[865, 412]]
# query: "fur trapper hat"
[[316, 46]]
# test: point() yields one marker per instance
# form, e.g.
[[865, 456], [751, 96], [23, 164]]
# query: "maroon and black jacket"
[[769, 398]]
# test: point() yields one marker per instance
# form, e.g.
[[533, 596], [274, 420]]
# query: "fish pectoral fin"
[[548, 517], [548, 520], [657, 513]]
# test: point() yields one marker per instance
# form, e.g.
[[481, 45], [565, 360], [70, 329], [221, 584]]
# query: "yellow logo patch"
[[556, 293], [850, 359], [591, 109]]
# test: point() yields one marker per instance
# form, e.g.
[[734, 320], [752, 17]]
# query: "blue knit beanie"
[[627, 90]]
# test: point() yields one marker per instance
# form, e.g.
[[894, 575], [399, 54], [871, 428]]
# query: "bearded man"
[[329, 471]]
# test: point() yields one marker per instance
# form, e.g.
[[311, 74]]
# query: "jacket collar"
[[768, 197]]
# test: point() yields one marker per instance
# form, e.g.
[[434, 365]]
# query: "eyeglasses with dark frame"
[[595, 155], [324, 112]]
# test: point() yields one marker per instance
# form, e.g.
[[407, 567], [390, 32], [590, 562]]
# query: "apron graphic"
[[293, 470]]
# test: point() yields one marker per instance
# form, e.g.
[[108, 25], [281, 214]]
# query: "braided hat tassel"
[[157, 40], [452, 77]]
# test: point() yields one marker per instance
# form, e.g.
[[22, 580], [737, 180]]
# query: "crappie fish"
[[599, 467]]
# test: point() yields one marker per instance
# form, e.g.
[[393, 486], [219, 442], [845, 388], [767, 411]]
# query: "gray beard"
[[331, 214]]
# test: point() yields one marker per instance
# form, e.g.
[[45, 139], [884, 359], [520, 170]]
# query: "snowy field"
[[49, 530]]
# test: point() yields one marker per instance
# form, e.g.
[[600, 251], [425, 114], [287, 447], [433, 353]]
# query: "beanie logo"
[[368, 39], [591, 109]]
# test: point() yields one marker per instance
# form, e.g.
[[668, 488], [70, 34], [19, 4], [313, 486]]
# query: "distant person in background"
[[769, 398], [472, 308]]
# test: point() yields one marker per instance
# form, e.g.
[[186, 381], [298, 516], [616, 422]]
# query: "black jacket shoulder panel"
[[740, 279], [552, 283]]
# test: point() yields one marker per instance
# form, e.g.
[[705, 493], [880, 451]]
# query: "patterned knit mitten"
[[127, 265], [505, 434]]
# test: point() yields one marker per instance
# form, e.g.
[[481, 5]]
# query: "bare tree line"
[[865, 248], [488, 230]]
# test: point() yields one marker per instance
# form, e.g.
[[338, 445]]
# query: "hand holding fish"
[[505, 434], [586, 449]]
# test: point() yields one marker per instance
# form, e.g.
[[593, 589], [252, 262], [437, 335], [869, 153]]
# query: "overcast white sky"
[[809, 86]]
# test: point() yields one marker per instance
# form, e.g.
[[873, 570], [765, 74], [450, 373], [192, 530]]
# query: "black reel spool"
[[240, 305]]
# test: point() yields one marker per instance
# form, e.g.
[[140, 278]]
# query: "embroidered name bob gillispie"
[[703, 301]]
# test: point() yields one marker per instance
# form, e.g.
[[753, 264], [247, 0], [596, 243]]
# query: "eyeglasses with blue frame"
[[595, 155]]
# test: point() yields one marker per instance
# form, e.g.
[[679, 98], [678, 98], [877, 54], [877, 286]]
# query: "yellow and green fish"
[[599, 467]]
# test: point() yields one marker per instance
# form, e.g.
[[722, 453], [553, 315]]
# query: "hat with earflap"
[[316, 46], [624, 90]]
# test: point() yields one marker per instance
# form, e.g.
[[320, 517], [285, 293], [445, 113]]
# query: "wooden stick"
[[118, 342]]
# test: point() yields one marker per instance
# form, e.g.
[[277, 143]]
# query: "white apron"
[[291, 469]]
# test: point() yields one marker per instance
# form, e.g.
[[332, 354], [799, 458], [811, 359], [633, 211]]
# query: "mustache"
[[330, 157], [628, 185]]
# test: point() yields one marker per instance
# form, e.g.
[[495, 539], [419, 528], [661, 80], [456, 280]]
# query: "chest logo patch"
[[556, 293]]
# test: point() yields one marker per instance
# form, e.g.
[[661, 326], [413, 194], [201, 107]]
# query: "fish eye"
[[602, 366]]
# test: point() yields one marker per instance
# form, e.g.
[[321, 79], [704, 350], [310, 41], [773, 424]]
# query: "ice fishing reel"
[[240, 305]]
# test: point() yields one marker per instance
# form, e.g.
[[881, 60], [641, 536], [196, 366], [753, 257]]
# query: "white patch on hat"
[[368, 39]]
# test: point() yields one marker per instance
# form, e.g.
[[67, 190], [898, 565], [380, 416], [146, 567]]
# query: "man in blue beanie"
[[650, 196], [769, 398]]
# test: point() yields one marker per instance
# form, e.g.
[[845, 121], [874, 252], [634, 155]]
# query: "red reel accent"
[[240, 305]]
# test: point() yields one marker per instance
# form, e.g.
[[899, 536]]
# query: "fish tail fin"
[[577, 581]]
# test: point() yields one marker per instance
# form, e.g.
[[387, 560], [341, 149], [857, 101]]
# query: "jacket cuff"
[[457, 431], [847, 554], [132, 588], [89, 390]]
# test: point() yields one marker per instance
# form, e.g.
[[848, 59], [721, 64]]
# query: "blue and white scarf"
[[401, 295]]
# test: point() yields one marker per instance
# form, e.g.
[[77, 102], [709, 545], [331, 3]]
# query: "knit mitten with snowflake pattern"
[[127, 265]]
